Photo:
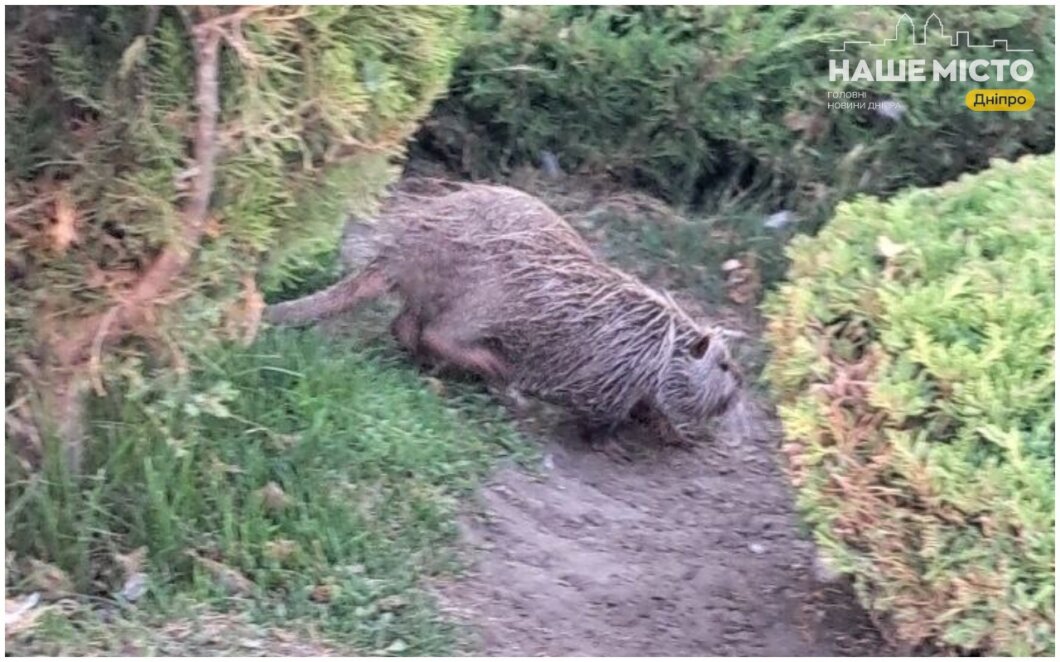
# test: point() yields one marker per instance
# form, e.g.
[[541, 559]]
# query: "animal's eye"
[[724, 365]]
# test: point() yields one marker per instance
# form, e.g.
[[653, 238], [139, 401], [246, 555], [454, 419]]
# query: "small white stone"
[[780, 219], [135, 587], [550, 164], [823, 572]]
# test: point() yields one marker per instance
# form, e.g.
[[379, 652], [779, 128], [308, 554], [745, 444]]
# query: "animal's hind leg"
[[448, 338], [406, 330]]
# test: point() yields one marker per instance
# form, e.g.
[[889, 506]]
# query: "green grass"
[[188, 628], [370, 461]]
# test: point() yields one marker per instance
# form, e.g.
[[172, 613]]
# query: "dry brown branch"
[[280, 18], [95, 361], [171, 261], [78, 349], [238, 16], [233, 36], [12, 213]]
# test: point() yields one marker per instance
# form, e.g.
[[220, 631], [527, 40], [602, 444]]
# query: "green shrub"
[[913, 363], [687, 100], [163, 162]]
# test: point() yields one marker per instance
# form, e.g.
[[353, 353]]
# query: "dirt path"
[[672, 553]]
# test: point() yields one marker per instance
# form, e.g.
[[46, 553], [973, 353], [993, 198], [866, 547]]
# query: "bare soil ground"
[[654, 551]]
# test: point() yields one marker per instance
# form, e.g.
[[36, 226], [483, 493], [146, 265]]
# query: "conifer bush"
[[166, 163], [687, 101], [913, 363]]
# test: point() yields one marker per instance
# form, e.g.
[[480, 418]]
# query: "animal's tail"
[[344, 295]]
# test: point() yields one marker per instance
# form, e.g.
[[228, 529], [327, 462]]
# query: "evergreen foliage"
[[913, 362], [164, 161], [688, 101]]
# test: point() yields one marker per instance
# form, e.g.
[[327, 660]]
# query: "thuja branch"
[[113, 247], [168, 265]]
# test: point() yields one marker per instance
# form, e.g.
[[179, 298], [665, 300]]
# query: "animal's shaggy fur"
[[494, 281]]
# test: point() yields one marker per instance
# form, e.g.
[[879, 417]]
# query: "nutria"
[[495, 282]]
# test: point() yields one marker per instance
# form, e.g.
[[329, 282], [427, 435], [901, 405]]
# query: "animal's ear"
[[700, 346]]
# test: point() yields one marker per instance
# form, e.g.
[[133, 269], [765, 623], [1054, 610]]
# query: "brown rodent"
[[495, 282]]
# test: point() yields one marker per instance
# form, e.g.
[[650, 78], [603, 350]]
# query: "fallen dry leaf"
[[221, 467], [392, 603], [322, 593], [133, 562], [63, 230], [281, 549], [212, 227], [743, 282], [273, 496], [230, 579], [796, 121], [20, 613], [134, 579], [243, 317], [253, 307], [435, 385], [283, 636], [284, 442], [48, 579]]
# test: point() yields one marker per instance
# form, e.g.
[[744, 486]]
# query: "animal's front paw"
[[671, 436], [511, 398], [608, 446]]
